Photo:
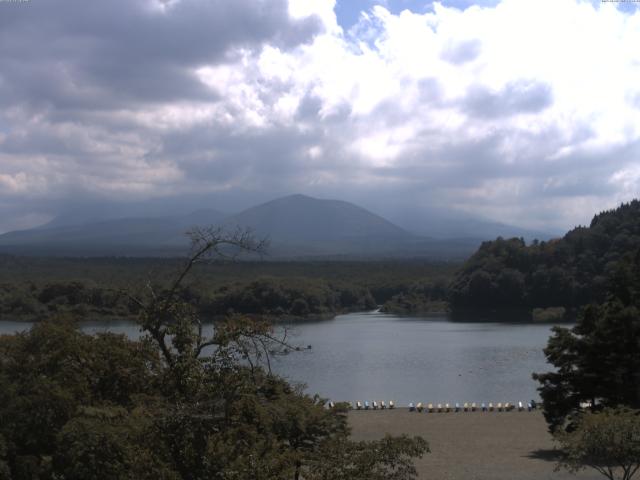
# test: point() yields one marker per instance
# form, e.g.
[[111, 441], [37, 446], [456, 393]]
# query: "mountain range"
[[297, 226]]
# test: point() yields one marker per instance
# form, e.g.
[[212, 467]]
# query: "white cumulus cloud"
[[526, 111]]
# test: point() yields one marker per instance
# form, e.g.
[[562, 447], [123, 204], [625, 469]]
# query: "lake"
[[367, 356]]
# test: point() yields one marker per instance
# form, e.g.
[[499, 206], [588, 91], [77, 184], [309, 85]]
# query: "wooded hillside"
[[570, 271]]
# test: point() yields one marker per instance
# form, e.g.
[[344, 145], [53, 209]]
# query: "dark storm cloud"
[[309, 108], [69, 69], [217, 155], [108, 54], [270, 158], [516, 97]]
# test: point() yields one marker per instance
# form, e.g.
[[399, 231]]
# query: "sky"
[[525, 112]]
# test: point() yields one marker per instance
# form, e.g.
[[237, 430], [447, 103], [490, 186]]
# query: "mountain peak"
[[296, 197], [299, 219]]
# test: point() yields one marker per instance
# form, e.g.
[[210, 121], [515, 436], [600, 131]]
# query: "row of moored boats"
[[472, 407], [445, 407]]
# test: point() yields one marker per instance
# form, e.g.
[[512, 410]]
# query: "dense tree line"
[[571, 271], [297, 297], [592, 397], [597, 362], [34, 288], [275, 297], [424, 297], [383, 278], [31, 301]]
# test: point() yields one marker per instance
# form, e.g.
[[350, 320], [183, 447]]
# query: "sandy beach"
[[472, 445]]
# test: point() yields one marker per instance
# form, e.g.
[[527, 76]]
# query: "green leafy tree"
[[48, 373], [5, 473], [607, 441], [101, 443], [597, 361], [390, 458]]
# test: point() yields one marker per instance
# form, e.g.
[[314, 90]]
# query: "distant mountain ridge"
[[123, 236], [297, 226], [456, 224]]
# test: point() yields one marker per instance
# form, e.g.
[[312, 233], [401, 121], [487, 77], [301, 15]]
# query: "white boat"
[[411, 407], [391, 404]]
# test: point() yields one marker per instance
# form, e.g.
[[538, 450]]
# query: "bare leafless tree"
[[175, 325]]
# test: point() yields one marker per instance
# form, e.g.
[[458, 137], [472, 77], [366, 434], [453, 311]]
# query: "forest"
[[32, 288], [567, 272]]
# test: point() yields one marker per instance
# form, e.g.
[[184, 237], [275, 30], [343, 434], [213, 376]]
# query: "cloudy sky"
[[521, 111]]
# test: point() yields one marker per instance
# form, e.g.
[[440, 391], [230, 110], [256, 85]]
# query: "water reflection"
[[373, 355]]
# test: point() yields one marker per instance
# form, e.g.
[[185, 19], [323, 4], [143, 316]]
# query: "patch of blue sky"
[[348, 11], [628, 6]]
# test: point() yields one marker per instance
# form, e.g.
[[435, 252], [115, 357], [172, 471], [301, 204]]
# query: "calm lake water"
[[367, 356]]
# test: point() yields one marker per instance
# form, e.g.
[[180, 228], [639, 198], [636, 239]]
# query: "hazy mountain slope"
[[302, 218], [110, 236], [297, 226], [315, 226], [445, 224]]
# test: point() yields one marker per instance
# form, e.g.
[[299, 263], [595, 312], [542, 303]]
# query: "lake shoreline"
[[506, 316], [406, 359]]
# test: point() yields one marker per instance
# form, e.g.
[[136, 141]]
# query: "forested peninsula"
[[552, 279], [32, 288]]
